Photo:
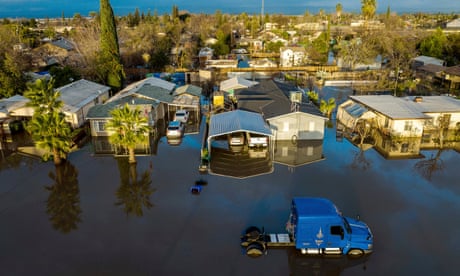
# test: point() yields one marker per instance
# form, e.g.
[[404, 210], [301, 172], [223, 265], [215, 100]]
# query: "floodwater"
[[98, 216], [92, 223]]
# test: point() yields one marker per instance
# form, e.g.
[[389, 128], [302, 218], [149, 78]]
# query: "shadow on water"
[[134, 192], [63, 203], [322, 265]]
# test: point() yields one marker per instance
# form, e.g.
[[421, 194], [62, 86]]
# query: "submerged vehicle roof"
[[314, 207]]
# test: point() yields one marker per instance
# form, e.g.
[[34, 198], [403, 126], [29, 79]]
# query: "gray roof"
[[77, 94], [102, 111], [272, 99], [188, 89], [156, 93], [10, 104], [429, 60], [407, 108], [165, 87], [238, 120], [63, 43], [236, 83]]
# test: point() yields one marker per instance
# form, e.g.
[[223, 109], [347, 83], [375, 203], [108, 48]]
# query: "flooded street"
[[161, 228]]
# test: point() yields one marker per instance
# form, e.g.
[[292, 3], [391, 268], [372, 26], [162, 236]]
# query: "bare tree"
[[433, 164]]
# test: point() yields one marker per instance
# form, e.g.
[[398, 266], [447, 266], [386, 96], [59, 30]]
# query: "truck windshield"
[[347, 225]]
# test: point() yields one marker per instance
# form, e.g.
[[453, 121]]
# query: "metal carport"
[[236, 121]]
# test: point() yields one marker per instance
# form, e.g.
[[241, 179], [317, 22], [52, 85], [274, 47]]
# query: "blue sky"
[[54, 8]]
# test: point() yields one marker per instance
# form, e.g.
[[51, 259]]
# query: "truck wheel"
[[252, 233], [356, 253], [255, 249]]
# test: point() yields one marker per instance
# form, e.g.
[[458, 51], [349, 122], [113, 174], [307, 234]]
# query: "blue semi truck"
[[316, 227]]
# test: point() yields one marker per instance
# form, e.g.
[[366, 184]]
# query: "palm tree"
[[52, 133], [129, 129], [338, 10], [134, 194], [48, 126], [43, 97], [63, 203], [368, 8], [313, 96], [327, 107]]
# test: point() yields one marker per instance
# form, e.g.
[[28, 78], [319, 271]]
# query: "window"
[[405, 147], [387, 122], [407, 125], [337, 230], [100, 126]]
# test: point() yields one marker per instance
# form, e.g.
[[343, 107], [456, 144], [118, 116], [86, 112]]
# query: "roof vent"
[[418, 99]]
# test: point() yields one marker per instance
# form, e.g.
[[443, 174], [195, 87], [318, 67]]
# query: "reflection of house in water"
[[99, 115], [225, 162], [401, 127], [298, 153], [274, 110], [286, 109], [244, 161], [401, 117], [300, 264], [395, 147], [158, 100]]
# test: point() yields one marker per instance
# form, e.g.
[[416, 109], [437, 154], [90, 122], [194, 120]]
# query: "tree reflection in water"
[[360, 161], [133, 193], [63, 204], [427, 167], [363, 141]]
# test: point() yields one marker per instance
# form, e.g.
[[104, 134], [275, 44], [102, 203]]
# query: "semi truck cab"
[[317, 227]]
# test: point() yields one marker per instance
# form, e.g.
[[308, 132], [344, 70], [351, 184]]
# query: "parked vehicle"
[[315, 227], [236, 141], [257, 140], [181, 116], [175, 129]]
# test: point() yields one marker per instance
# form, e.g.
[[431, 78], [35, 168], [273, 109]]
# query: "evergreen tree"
[[109, 59], [434, 44], [368, 8], [12, 81]]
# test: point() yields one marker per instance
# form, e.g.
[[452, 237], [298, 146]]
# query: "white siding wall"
[[407, 128], [297, 125], [454, 119]]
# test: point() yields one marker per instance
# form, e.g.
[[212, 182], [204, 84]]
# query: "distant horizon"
[[56, 8]]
